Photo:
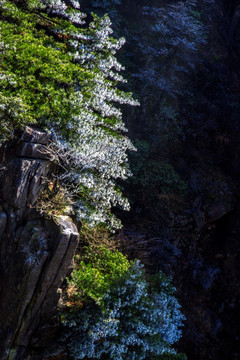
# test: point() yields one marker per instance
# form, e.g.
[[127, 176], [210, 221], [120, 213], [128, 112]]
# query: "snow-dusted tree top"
[[73, 73]]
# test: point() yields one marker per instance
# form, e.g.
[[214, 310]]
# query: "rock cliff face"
[[35, 252]]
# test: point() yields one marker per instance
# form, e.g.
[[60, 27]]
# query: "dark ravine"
[[36, 253], [195, 239]]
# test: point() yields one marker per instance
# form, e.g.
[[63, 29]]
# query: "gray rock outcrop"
[[35, 252]]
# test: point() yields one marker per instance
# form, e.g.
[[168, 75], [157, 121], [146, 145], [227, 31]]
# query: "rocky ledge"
[[35, 252]]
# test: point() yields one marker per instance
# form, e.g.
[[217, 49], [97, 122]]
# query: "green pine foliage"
[[37, 76], [96, 271], [63, 76]]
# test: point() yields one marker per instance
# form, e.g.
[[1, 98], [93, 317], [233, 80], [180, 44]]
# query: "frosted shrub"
[[97, 149], [131, 321]]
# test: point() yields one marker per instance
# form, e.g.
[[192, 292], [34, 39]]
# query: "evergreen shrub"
[[96, 271], [128, 317]]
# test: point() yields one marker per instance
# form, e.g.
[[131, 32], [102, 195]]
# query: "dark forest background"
[[183, 62]]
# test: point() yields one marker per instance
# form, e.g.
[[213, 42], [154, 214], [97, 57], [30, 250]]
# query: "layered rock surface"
[[35, 252]]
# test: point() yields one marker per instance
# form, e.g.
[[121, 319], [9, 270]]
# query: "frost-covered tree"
[[63, 76], [132, 320]]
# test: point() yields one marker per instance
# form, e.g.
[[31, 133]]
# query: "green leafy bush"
[[37, 74], [96, 271], [128, 319]]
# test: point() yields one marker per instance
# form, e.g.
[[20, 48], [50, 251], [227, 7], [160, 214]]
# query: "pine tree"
[[60, 74]]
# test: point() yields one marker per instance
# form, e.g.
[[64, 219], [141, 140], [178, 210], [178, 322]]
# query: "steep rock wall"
[[35, 252]]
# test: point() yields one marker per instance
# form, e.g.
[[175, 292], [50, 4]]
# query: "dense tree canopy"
[[61, 74]]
